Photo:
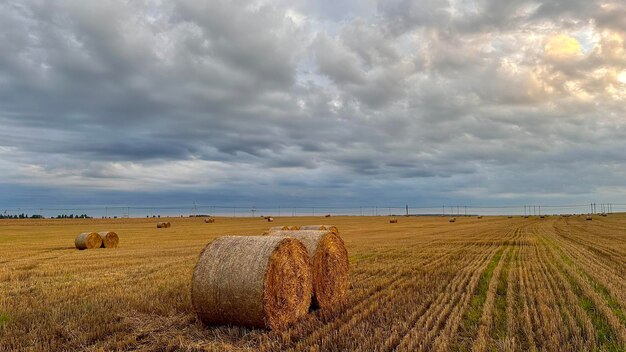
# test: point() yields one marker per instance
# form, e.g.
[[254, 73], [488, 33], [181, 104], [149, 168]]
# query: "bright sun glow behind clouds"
[[562, 47]]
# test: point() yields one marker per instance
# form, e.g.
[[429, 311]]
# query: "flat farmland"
[[496, 283]]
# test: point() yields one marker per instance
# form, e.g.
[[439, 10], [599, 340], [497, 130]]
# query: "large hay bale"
[[589, 217], [452, 220], [329, 260], [161, 225], [255, 281], [393, 221], [320, 227], [109, 239], [270, 219], [88, 240], [479, 217]]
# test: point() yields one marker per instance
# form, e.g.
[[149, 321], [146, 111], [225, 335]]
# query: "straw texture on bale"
[[109, 239], [329, 260], [88, 240], [320, 227], [294, 228], [254, 281]]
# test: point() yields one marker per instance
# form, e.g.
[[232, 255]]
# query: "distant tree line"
[[72, 216], [21, 216]]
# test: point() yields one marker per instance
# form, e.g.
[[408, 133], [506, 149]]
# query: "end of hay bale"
[[109, 239], [269, 276], [88, 240], [330, 265]]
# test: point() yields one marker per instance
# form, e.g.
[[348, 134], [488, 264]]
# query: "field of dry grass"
[[421, 284]]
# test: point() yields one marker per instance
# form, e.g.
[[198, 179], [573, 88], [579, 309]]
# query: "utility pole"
[[407, 209], [443, 210]]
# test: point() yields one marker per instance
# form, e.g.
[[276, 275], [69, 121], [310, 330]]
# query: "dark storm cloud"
[[444, 99]]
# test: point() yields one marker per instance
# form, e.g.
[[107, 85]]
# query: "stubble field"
[[424, 283]]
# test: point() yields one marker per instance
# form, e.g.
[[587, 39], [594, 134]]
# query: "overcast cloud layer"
[[497, 101]]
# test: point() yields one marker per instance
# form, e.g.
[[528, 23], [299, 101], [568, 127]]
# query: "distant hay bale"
[[479, 217], [279, 228], [161, 225], [329, 260], [327, 215], [270, 219], [209, 220], [254, 281], [542, 217], [510, 217], [452, 219], [589, 218], [109, 239], [88, 240], [320, 227], [294, 228], [393, 221], [525, 216]]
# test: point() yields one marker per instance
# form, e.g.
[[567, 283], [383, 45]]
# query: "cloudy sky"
[[313, 102]]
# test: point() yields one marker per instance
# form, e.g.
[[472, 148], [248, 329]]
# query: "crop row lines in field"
[[610, 333]]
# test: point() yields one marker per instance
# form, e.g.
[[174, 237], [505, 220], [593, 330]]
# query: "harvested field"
[[423, 284]]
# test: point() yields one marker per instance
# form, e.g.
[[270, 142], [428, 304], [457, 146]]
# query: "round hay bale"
[[329, 260], [270, 219], [479, 217], [88, 240], [161, 225], [109, 239], [168, 224], [327, 215], [452, 219], [320, 227], [589, 218], [279, 228], [209, 220], [254, 281], [393, 221]]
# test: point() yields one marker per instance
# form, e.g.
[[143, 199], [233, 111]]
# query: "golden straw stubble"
[[88, 240], [329, 261], [254, 281], [110, 239]]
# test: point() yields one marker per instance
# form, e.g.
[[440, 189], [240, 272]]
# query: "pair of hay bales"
[[209, 220], [269, 281], [163, 225], [91, 240]]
